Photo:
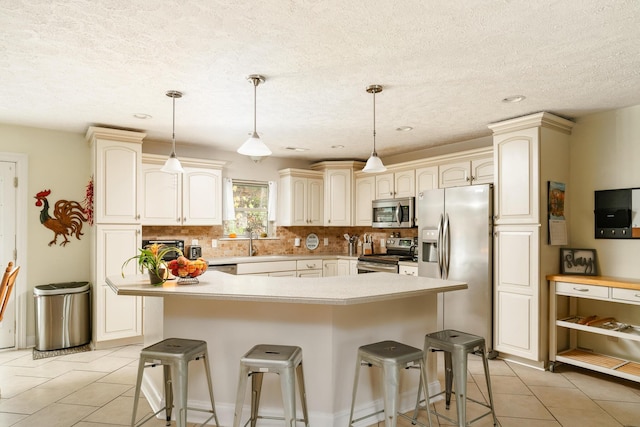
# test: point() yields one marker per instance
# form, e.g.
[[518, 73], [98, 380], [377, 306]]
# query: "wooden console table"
[[593, 324]]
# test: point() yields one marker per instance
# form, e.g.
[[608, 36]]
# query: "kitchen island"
[[328, 317]]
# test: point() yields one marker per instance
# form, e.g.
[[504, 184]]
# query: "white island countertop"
[[335, 290]]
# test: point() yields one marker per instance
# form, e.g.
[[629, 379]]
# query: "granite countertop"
[[335, 290], [267, 258]]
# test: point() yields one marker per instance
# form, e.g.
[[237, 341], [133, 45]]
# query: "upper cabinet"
[[365, 194], [191, 198], [468, 172], [426, 179], [529, 152], [338, 191], [396, 185], [116, 166], [300, 197]]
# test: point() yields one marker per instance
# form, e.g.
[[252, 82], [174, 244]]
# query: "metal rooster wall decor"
[[67, 217]]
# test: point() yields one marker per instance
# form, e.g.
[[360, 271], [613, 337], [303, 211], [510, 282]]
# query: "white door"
[[8, 246]]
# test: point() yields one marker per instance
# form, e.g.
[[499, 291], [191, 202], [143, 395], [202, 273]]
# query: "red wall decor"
[[67, 217]]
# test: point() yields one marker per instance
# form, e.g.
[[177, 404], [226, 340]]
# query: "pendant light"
[[172, 165], [254, 147], [374, 164]]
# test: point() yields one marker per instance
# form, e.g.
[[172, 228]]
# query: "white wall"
[[58, 161], [605, 154]]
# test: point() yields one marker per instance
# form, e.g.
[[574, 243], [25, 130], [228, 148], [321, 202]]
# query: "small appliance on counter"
[[168, 243], [194, 252]]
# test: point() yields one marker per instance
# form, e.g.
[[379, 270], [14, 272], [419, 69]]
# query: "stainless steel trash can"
[[63, 315]]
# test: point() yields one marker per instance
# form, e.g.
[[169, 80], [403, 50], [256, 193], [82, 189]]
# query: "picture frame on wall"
[[578, 261]]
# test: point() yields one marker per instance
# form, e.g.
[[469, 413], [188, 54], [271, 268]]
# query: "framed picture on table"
[[578, 261]]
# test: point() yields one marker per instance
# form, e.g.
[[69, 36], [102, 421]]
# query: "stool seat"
[[391, 357], [284, 360], [456, 346], [174, 355]]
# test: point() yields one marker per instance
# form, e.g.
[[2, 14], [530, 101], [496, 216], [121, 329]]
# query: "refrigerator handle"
[[439, 248], [446, 250]]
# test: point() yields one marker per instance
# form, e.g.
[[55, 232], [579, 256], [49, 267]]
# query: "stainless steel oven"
[[398, 249]]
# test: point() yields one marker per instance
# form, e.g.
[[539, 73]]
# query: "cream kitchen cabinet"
[[191, 198], [396, 185], [268, 268], [336, 267], [468, 172], [426, 179], [309, 267], [518, 311], [338, 191], [300, 197], [529, 152], [116, 317], [408, 270], [116, 168], [116, 235], [365, 194]]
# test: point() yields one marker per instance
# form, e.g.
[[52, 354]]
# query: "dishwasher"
[[224, 268]]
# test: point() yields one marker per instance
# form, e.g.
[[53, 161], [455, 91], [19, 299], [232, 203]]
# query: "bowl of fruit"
[[187, 270]]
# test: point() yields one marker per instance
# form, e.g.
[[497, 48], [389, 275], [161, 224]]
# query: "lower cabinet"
[[409, 270], [116, 317], [517, 294], [336, 267], [269, 268], [309, 268]]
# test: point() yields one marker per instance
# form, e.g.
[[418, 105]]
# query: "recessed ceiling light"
[[142, 116], [404, 128], [296, 149], [515, 98], [338, 147]]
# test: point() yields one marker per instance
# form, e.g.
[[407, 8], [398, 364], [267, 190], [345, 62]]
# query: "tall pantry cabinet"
[[529, 152], [117, 233]]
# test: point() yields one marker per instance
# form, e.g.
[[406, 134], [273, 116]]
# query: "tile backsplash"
[[282, 244]]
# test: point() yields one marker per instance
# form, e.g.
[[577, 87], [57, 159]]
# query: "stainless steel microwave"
[[393, 213]]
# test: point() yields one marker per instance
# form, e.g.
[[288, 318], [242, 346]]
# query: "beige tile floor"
[[94, 389]]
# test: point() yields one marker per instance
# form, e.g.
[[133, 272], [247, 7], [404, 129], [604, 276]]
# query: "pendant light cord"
[[173, 134], [255, 88], [374, 122]]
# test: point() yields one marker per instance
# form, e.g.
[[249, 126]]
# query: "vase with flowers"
[[151, 258]]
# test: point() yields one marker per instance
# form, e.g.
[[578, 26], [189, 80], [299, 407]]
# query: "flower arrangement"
[[152, 258]]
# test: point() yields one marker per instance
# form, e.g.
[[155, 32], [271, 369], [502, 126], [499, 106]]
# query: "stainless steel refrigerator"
[[455, 242]]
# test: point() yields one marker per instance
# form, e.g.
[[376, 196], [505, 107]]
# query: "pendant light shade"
[[254, 146], [374, 164], [172, 165]]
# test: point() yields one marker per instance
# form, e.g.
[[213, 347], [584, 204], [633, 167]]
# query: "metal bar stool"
[[456, 346], [391, 356], [174, 354], [284, 360]]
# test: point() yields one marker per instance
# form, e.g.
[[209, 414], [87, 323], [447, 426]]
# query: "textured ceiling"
[[445, 67]]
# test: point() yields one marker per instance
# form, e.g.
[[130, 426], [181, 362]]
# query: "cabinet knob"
[[467, 179], [138, 216], [473, 178], [178, 219]]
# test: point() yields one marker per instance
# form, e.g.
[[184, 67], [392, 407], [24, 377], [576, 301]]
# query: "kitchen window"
[[248, 206]]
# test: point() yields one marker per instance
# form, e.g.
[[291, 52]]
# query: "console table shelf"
[[572, 320]]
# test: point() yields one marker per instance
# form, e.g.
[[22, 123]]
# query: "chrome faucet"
[[252, 251]]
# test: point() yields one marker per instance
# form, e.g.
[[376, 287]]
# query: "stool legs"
[[456, 346], [303, 395], [242, 387], [168, 393], [137, 392], [391, 394], [256, 390], [210, 384]]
